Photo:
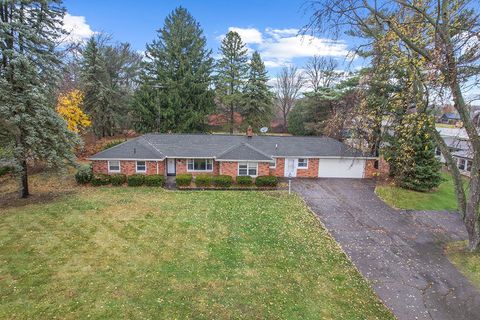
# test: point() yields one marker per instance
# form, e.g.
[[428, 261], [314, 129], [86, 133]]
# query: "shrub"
[[5, 170], [244, 180], [183, 180], [266, 181], [111, 144], [222, 181], [135, 180], [118, 179], [84, 175], [203, 180], [155, 180], [100, 180]]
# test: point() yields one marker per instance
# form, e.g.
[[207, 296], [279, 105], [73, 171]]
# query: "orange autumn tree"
[[69, 107]]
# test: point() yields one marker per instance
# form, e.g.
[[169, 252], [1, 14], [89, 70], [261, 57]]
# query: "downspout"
[[157, 166]]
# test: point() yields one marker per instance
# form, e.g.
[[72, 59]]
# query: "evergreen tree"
[[257, 98], [232, 71], [29, 71], [108, 76], [178, 78], [414, 159]]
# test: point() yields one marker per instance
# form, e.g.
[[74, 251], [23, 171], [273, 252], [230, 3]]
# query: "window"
[[438, 152], [141, 167], [469, 165], [114, 166], [247, 169], [302, 163], [273, 164], [199, 165], [461, 164]]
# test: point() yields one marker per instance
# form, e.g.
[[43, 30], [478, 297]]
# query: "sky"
[[271, 27]]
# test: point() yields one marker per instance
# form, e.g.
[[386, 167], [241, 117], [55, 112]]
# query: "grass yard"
[[441, 199], [467, 262], [147, 253]]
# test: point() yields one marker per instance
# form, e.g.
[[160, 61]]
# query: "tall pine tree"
[[108, 76], [257, 97], [177, 79], [29, 72], [232, 72]]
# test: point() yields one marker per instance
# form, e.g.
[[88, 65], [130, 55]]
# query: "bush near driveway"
[[183, 180], [135, 180], [266, 181], [155, 180]]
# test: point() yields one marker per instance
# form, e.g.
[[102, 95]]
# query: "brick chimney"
[[249, 132]]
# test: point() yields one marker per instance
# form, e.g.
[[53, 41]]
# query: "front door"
[[290, 167], [171, 167]]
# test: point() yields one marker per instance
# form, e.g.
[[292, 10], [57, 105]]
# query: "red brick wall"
[[181, 168], [311, 171], [128, 167], [279, 170], [263, 169], [370, 170]]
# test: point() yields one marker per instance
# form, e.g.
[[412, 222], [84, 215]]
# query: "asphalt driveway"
[[400, 252]]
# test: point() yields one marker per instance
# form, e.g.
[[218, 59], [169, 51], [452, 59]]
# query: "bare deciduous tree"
[[320, 72], [288, 84], [448, 42]]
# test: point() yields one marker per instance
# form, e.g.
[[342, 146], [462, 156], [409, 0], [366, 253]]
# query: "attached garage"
[[341, 168]]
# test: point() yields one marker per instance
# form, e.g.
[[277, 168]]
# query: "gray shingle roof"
[[159, 146], [243, 151]]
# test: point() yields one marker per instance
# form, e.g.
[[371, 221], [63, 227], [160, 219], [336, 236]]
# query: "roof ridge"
[[151, 144]]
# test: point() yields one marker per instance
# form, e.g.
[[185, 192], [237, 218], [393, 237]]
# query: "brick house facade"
[[302, 157]]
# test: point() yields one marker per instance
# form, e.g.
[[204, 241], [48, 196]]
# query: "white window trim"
[[136, 167], [274, 164], [248, 168], [301, 168], [114, 171], [206, 170]]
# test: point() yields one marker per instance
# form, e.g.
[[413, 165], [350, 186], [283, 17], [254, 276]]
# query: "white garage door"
[[341, 168]]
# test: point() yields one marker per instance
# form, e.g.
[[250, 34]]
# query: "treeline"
[[174, 86]]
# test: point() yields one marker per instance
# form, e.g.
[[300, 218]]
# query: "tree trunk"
[[232, 117], [24, 193], [285, 126]]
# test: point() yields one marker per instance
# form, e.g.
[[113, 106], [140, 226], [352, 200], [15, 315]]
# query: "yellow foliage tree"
[[69, 107]]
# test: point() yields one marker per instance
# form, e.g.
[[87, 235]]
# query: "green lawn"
[[441, 199], [467, 262], [145, 253]]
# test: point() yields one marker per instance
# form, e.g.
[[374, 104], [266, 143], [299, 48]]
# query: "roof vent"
[[249, 132], [134, 150], [276, 146]]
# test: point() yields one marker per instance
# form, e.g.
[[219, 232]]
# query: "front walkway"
[[400, 252]]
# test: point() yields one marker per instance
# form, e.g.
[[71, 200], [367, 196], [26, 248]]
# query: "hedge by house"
[[118, 179], [135, 180], [203, 180], [266, 181], [100, 180], [155, 180], [244, 181], [222, 181], [84, 175], [183, 180]]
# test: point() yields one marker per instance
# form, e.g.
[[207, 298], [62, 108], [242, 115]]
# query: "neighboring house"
[[235, 155], [449, 118], [459, 146]]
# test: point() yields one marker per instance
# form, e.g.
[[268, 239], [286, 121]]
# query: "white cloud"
[[278, 47], [248, 35], [77, 28], [298, 46]]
